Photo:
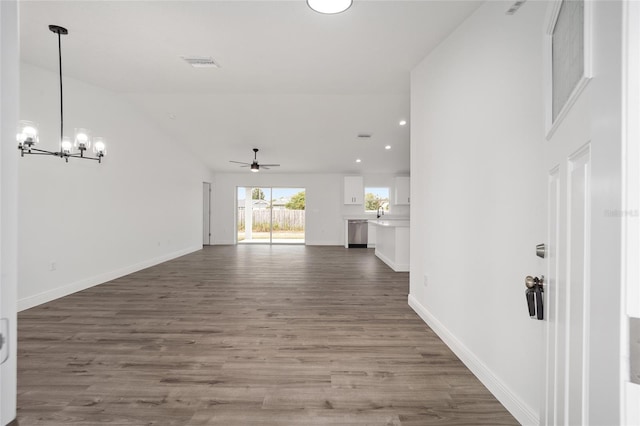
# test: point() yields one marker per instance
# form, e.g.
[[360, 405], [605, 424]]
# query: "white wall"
[[325, 209], [478, 194], [9, 100], [141, 206]]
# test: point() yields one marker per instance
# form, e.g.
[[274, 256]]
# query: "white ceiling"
[[297, 84]]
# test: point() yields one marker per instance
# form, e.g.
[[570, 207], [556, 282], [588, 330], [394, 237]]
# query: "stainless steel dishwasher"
[[358, 233]]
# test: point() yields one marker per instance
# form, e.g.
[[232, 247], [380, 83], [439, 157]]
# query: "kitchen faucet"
[[380, 212]]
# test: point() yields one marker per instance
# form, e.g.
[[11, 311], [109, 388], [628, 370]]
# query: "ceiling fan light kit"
[[28, 134], [255, 166], [329, 7]]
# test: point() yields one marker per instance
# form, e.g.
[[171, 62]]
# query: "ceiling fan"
[[255, 167]]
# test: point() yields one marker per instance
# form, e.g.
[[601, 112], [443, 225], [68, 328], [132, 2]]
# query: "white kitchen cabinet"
[[371, 238], [353, 190], [403, 192]]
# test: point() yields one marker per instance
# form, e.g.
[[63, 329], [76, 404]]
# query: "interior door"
[[568, 284], [206, 213], [9, 101], [4, 354], [631, 208]]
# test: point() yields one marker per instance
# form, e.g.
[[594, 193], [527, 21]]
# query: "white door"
[[568, 288], [568, 166], [631, 217], [206, 213], [4, 354], [9, 101]]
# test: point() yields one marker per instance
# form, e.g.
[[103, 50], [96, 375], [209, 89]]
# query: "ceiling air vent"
[[364, 135], [514, 7], [200, 61]]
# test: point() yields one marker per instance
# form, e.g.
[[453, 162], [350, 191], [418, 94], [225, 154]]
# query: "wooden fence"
[[283, 220]]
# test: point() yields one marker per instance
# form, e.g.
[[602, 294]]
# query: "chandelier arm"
[[41, 151], [83, 157], [57, 154]]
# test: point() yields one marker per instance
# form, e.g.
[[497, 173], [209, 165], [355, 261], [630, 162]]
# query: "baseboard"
[[397, 267], [325, 243], [518, 408], [307, 243], [56, 293]]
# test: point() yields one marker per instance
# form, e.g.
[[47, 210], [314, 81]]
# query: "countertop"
[[372, 217], [390, 223]]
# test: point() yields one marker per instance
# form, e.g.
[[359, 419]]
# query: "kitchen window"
[[376, 197]]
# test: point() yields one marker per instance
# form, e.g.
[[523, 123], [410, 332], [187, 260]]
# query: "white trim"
[[397, 267], [630, 239], [56, 293], [552, 17], [631, 396], [631, 162], [516, 406], [323, 243]]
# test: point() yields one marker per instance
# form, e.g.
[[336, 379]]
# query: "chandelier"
[[28, 136]]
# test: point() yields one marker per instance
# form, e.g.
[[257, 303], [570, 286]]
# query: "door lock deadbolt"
[[534, 295]]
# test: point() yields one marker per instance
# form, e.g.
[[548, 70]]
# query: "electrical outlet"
[[53, 266], [426, 280]]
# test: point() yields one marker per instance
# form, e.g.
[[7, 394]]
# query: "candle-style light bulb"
[[99, 147], [82, 139], [27, 135], [66, 145]]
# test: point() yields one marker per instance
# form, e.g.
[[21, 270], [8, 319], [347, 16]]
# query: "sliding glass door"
[[267, 215]]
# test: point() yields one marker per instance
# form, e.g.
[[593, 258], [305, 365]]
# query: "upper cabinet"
[[403, 192], [353, 190]]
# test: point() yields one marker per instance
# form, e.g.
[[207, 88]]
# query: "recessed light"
[[387, 147], [358, 161], [329, 6], [403, 122]]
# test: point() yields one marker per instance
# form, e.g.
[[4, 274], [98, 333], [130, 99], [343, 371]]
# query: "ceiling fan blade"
[[245, 165], [239, 162], [270, 165]]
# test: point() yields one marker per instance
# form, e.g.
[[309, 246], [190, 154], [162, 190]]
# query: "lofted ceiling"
[[297, 84]]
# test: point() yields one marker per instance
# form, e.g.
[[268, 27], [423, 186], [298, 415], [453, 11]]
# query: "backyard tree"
[[297, 201], [372, 202], [257, 194]]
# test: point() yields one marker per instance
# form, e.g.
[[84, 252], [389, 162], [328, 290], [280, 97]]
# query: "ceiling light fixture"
[[403, 122], [28, 137], [329, 6], [387, 147]]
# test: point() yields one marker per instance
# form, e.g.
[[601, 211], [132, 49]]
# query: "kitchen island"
[[392, 243]]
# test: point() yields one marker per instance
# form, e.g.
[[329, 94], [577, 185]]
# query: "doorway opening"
[[206, 213], [269, 215]]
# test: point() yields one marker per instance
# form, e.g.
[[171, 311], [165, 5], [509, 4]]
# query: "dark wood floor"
[[247, 335]]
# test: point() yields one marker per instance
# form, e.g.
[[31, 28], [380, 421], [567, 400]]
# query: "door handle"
[[534, 296]]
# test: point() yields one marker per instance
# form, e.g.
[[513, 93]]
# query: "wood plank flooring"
[[246, 335]]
